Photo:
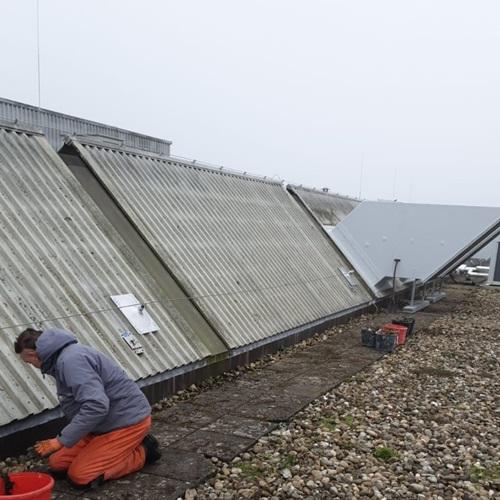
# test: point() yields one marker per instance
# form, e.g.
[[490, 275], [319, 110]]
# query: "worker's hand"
[[48, 446]]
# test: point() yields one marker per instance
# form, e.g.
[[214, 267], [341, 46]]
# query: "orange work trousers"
[[113, 454]]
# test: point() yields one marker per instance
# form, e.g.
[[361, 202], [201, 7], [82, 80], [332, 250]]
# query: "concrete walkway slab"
[[272, 409], [213, 444], [140, 486], [239, 426], [168, 434], [187, 414], [182, 465]]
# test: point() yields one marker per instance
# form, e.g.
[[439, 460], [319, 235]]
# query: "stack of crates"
[[389, 336], [408, 322], [399, 330]]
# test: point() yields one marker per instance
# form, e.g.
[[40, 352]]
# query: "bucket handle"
[[8, 484]]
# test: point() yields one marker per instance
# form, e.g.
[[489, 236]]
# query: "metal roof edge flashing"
[[161, 377], [31, 421], [201, 165], [294, 331], [17, 126], [180, 370], [111, 144]]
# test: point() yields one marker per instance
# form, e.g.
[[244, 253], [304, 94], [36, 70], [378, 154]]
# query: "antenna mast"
[[38, 49], [361, 174]]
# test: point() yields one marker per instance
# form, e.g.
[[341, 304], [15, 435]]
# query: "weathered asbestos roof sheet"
[[60, 258], [255, 262], [429, 240], [329, 208]]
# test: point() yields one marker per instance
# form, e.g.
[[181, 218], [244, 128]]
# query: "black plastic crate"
[[408, 322], [386, 341], [368, 337]]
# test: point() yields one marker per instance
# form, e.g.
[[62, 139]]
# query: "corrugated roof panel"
[[329, 208], [60, 258], [255, 261]]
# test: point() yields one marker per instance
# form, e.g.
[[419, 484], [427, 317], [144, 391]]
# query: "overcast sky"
[[308, 91]]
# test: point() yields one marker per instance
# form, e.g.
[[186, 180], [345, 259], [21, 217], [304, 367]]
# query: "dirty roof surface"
[[329, 208], [254, 261], [60, 261]]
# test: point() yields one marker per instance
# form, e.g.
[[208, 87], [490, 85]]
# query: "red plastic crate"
[[399, 329]]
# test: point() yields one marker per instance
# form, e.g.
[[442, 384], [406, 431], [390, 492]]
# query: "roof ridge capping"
[[116, 145]]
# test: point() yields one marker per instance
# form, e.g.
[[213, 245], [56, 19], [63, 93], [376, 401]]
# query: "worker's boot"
[[151, 446]]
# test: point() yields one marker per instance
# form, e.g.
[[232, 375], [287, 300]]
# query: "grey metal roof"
[[60, 258], [254, 260], [429, 240], [56, 126], [329, 208]]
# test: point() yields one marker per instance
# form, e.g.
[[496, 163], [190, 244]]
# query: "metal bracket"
[[133, 343], [349, 275]]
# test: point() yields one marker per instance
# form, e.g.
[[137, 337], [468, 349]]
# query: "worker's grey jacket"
[[94, 392]]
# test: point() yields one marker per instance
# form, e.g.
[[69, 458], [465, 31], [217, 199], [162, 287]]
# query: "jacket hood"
[[50, 344]]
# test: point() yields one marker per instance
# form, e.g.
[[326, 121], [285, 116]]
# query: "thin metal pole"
[[361, 174], [38, 51], [413, 288], [393, 298]]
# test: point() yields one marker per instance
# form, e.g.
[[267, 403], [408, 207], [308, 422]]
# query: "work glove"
[[47, 447]]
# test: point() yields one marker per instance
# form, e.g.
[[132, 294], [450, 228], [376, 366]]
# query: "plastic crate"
[[400, 330], [368, 337], [408, 322], [386, 341]]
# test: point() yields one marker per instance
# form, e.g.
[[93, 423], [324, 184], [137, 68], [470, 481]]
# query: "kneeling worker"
[[109, 416]]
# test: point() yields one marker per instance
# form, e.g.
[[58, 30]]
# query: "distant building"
[[56, 126]]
